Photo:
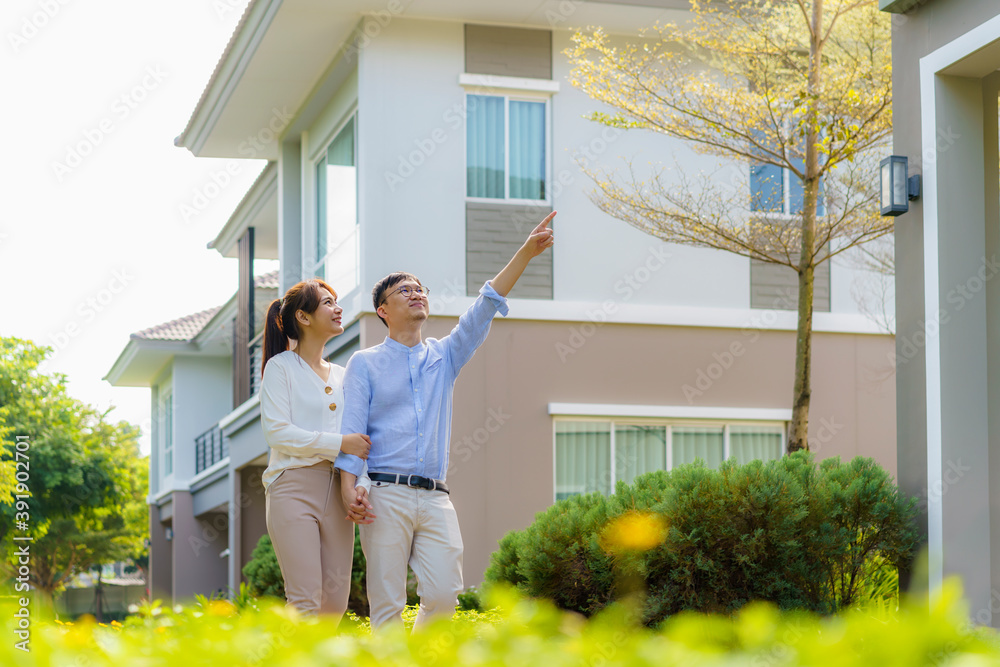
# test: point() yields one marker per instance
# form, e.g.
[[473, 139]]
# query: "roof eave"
[[260, 194], [233, 63], [124, 372]]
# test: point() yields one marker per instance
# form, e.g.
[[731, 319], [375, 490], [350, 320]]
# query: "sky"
[[95, 240]]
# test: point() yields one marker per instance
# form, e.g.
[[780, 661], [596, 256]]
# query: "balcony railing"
[[209, 448], [256, 357]]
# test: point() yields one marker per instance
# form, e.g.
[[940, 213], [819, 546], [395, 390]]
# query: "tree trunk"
[[798, 431]]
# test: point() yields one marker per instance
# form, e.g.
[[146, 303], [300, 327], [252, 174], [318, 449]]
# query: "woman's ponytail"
[[275, 340]]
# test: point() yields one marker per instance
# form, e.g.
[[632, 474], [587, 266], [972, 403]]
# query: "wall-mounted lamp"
[[896, 187], [169, 534]]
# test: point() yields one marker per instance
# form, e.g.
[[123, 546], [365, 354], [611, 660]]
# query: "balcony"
[[256, 350], [209, 448]]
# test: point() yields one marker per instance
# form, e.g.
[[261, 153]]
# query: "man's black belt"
[[415, 481]]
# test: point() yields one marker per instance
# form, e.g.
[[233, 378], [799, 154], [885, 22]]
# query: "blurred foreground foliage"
[[517, 631]]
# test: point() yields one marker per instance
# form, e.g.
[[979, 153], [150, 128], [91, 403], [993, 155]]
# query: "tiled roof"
[[184, 328], [187, 327], [266, 280]]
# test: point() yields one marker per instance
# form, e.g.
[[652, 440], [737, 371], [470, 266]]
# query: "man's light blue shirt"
[[402, 396]]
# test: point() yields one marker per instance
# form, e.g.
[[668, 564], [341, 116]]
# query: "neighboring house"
[[946, 79], [188, 365], [431, 137]]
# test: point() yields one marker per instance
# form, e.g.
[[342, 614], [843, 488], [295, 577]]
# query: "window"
[[168, 434], [594, 455], [337, 249], [777, 190], [506, 157]]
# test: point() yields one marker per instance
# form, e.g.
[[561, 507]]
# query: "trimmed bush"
[[799, 534]]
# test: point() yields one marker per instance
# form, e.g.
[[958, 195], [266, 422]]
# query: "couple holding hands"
[[374, 437]]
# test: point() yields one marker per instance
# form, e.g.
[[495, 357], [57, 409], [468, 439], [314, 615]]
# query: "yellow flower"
[[221, 608], [634, 531]]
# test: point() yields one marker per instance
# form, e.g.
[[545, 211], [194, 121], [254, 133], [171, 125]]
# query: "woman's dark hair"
[[280, 324], [386, 284]]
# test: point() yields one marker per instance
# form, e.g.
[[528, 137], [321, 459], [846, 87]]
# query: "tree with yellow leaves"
[[801, 87]]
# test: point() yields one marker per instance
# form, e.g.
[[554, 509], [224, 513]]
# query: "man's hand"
[[359, 510], [541, 237]]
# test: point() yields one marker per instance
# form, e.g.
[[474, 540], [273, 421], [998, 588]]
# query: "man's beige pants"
[[312, 539], [419, 528]]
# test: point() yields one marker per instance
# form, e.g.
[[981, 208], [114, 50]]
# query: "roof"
[[187, 327], [184, 328]]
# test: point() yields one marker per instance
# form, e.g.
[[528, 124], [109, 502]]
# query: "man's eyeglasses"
[[407, 290]]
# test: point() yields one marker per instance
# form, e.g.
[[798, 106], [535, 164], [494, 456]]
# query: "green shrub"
[[264, 576], [469, 600], [791, 532], [262, 571]]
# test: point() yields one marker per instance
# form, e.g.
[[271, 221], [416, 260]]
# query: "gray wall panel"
[[493, 233], [508, 51], [776, 286]]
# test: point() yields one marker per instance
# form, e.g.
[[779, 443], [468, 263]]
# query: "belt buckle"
[[410, 484]]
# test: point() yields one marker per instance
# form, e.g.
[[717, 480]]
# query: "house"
[[946, 57], [431, 136]]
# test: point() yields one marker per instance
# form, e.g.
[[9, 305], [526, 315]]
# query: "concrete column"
[[958, 482], [253, 520], [160, 558], [290, 213], [234, 562], [197, 543]]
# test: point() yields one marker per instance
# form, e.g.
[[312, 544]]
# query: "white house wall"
[[411, 161], [202, 394], [409, 95]]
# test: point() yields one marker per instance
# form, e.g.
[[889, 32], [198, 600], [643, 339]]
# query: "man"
[[400, 393]]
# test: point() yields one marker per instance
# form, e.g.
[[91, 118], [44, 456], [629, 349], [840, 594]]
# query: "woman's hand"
[[359, 510], [357, 444]]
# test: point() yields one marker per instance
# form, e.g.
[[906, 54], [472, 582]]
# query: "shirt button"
[[333, 406], [421, 460], [421, 434], [329, 390]]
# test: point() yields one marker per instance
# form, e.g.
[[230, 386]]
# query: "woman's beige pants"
[[313, 541]]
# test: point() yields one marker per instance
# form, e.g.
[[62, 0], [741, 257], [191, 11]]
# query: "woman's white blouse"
[[300, 414]]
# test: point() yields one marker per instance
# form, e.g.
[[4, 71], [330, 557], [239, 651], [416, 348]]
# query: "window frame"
[[668, 423], [786, 197], [316, 264], [508, 96], [167, 431]]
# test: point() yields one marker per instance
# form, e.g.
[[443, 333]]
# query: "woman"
[[301, 403]]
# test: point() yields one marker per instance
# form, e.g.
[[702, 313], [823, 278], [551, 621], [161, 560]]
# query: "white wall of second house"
[[612, 259], [203, 394], [411, 157], [412, 152]]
